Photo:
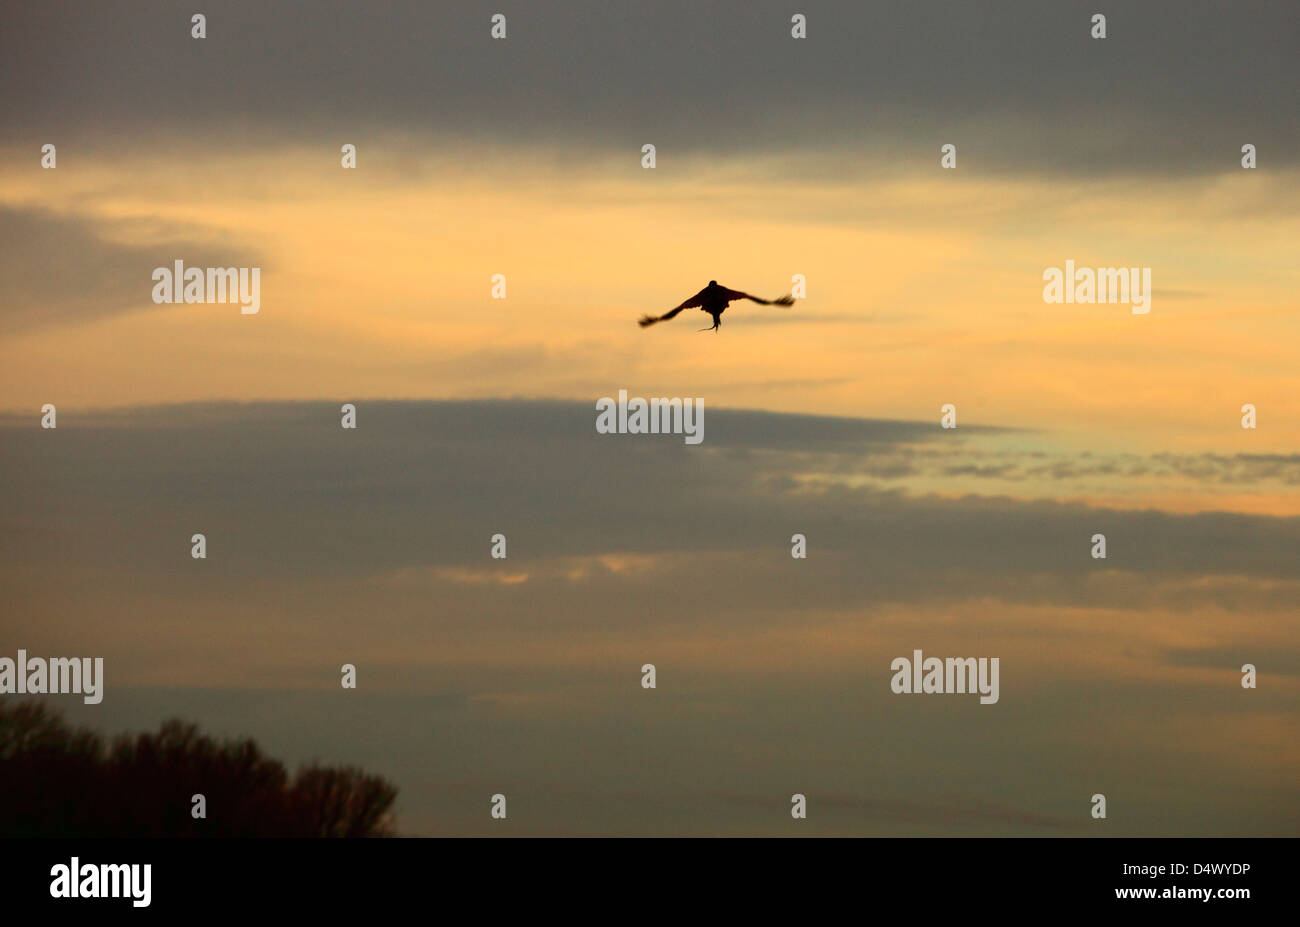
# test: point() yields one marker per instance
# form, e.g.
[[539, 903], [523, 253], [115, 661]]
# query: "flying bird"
[[713, 299]]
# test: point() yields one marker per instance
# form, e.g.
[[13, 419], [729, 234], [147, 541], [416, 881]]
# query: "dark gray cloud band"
[[1020, 86], [291, 495]]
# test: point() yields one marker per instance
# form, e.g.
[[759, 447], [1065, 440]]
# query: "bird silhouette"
[[713, 299]]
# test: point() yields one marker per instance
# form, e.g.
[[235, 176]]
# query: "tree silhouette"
[[57, 781]]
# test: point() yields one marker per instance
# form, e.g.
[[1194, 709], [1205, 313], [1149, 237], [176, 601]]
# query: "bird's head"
[[713, 283]]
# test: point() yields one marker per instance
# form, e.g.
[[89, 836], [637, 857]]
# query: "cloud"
[[1231, 659], [1174, 88], [1202, 469], [287, 495], [61, 269]]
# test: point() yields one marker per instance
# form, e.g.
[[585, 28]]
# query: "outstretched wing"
[[733, 295], [693, 302]]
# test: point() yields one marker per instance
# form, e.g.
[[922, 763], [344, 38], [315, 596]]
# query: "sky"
[[775, 157]]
